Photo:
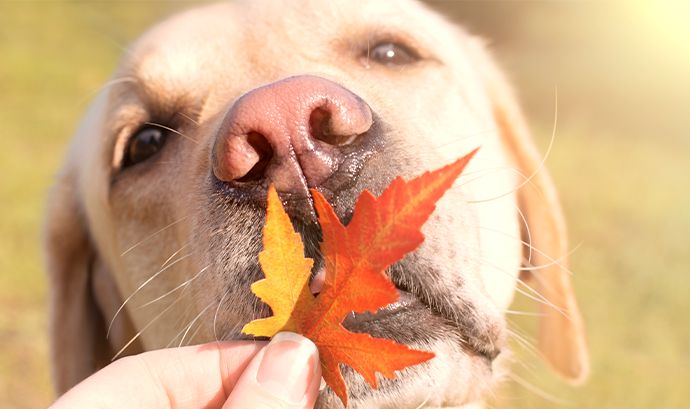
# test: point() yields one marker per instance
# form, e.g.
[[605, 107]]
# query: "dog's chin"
[[452, 379], [458, 375], [455, 377]]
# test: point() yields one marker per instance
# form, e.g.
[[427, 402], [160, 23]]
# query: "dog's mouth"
[[354, 322], [409, 313], [434, 312], [426, 311], [406, 302]]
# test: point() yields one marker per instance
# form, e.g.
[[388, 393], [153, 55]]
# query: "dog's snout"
[[290, 133]]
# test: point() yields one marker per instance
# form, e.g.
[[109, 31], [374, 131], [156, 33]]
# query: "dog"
[[154, 224]]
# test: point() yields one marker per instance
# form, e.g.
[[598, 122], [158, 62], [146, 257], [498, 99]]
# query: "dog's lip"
[[408, 308], [405, 302]]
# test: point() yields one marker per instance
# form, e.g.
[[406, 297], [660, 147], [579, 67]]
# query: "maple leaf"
[[287, 272], [356, 256]]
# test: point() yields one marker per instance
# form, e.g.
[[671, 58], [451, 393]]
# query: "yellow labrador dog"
[[155, 222]]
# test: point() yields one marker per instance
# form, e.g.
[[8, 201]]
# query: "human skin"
[[284, 373]]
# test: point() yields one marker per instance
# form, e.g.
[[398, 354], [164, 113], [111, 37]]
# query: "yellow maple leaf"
[[286, 269]]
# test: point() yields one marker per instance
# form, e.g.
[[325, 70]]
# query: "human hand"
[[284, 373]]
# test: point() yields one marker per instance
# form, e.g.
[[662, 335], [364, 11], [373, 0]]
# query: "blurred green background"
[[620, 159]]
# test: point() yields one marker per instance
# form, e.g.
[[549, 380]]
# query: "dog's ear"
[[561, 329], [77, 329], [83, 295]]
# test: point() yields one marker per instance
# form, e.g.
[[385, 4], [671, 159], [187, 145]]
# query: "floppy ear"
[[83, 295], [77, 331], [561, 329]]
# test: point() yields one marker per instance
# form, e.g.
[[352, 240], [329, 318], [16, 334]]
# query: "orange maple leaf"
[[381, 232]]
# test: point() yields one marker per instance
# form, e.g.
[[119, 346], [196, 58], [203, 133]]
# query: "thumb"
[[285, 374]]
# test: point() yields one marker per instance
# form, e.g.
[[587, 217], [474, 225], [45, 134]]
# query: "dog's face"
[[168, 175]]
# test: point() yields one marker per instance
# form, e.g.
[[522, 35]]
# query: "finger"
[[284, 375], [179, 378]]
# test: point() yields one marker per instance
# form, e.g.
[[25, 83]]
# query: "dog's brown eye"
[[393, 54], [144, 144]]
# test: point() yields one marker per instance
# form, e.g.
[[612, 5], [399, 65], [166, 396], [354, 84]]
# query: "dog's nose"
[[291, 133]]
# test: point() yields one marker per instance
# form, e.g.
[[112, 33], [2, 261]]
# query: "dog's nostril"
[[260, 144], [320, 128]]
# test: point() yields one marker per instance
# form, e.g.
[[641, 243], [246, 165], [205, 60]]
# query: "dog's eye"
[[392, 54], [144, 144]]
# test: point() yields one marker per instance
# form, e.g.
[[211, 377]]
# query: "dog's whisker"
[[183, 284], [480, 174], [464, 137], [529, 367], [535, 295], [538, 391], [548, 286], [193, 335], [543, 161], [528, 232], [539, 298], [173, 255], [546, 154], [152, 235], [552, 261], [173, 130], [523, 340], [179, 317], [156, 318], [189, 118], [555, 262], [484, 172], [426, 399], [215, 315], [515, 329], [135, 292], [189, 326], [552, 140], [523, 313], [109, 84], [526, 345]]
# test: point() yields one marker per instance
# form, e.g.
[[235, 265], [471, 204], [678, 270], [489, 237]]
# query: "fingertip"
[[284, 374]]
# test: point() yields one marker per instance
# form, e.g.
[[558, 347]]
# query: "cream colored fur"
[[110, 231]]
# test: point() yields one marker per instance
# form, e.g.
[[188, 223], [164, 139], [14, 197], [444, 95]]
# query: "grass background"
[[620, 159]]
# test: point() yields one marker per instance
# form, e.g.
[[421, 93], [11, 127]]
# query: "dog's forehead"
[[179, 52], [173, 54]]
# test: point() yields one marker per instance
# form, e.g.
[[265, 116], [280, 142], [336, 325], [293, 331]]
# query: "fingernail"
[[288, 366]]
